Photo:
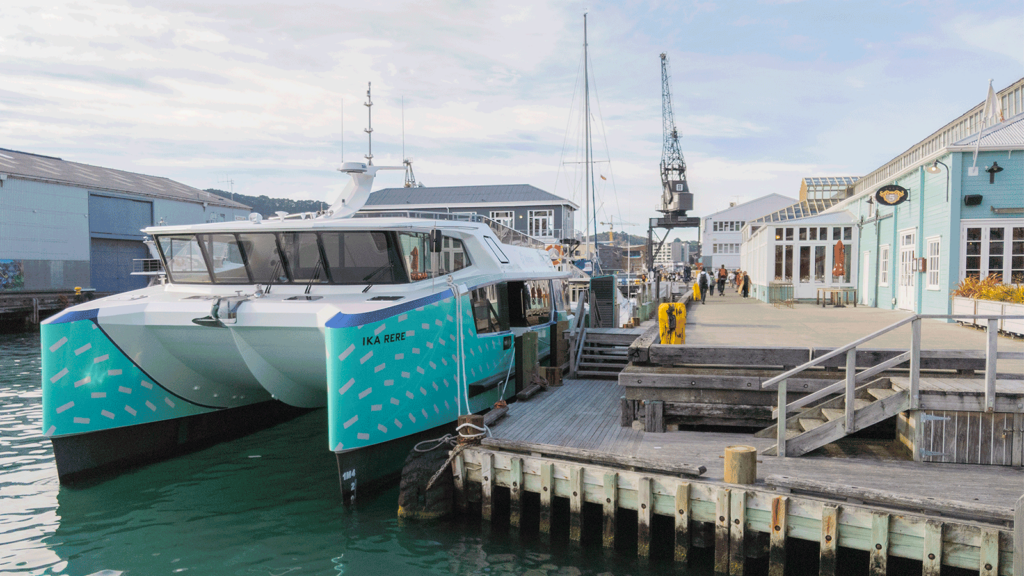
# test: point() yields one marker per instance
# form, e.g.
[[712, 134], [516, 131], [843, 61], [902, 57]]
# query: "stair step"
[[881, 393], [859, 403], [833, 413], [809, 424]]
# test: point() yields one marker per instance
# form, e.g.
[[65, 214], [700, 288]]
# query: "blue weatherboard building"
[[949, 216]]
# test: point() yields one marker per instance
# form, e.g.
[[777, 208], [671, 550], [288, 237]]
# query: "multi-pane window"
[[883, 265], [541, 223], [934, 250], [487, 310], [504, 217], [994, 249]]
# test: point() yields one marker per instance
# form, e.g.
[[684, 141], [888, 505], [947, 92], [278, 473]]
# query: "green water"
[[266, 504]]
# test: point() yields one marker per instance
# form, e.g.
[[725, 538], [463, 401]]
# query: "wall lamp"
[[934, 169]]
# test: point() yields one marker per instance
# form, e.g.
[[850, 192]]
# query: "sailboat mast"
[[586, 141]]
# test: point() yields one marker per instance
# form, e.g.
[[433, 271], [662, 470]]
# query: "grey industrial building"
[[525, 208], [65, 224]]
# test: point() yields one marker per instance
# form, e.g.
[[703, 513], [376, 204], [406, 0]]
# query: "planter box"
[[992, 308], [1014, 326], [965, 306]]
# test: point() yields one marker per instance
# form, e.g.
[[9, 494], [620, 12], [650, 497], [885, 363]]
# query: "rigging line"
[[565, 137]]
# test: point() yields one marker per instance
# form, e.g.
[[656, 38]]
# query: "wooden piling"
[[643, 515], [879, 553], [931, 562], [682, 549], [829, 540], [611, 506], [740, 464], [547, 490], [469, 434], [461, 483], [654, 416], [737, 532], [516, 493], [777, 545], [722, 532], [989, 557], [487, 486], [576, 504]]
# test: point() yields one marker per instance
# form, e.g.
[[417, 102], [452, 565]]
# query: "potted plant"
[[990, 297]]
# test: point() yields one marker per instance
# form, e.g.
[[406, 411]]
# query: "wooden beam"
[[459, 475], [777, 544], [487, 485], [722, 501], [682, 548], [547, 491], [829, 544], [576, 504], [654, 420], [737, 532], [594, 457], [733, 356], [931, 562], [989, 553], [1018, 533], [879, 553], [611, 506], [976, 512], [494, 415], [643, 516], [639, 350], [516, 493]]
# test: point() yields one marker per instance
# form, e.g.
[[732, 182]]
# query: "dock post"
[[722, 532], [780, 422], [737, 529], [1018, 534], [915, 364], [654, 417], [576, 505], [991, 353], [740, 465], [683, 523], [989, 557], [643, 515], [611, 505], [777, 546], [486, 485], [516, 493], [547, 488], [459, 475], [829, 540], [851, 386], [880, 540], [931, 561]]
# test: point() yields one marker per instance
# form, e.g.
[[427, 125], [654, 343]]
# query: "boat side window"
[[183, 259], [226, 258], [529, 302], [453, 255], [302, 256], [496, 249], [418, 259], [362, 257], [263, 258], [487, 309]]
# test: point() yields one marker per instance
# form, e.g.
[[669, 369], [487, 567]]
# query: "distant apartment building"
[[672, 253]]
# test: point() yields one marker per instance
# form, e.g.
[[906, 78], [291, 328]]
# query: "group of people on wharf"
[[707, 281]]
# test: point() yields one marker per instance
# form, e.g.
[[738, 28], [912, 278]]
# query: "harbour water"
[[266, 504]]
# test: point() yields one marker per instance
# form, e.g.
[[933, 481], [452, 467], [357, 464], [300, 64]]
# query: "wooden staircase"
[[825, 423], [603, 352]]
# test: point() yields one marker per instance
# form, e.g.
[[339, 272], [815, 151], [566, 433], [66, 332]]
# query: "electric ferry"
[[397, 324]]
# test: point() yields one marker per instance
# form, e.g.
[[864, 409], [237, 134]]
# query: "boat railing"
[[147, 266], [504, 234]]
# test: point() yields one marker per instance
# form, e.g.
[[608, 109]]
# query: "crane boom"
[[676, 198]]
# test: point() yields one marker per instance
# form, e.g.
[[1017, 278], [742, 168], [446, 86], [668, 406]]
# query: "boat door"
[[865, 276], [907, 290]]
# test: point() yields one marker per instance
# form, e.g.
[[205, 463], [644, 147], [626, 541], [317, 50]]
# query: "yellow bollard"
[[672, 323]]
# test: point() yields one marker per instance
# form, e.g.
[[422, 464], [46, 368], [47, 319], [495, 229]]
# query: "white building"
[[671, 253], [721, 232]]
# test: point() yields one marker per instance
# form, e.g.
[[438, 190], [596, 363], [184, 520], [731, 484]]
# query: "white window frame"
[[509, 218], [538, 216], [883, 265], [986, 225], [934, 262]]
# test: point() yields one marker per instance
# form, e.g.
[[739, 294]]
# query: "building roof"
[[51, 169], [465, 195], [1007, 134], [767, 198], [802, 209]]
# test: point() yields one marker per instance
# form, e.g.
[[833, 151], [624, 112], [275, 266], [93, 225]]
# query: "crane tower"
[[676, 198]]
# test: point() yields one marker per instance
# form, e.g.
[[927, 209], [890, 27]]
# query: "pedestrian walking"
[[723, 275], [746, 285], [704, 283]]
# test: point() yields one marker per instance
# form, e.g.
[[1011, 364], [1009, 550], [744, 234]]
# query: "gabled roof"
[[51, 169], [465, 195], [1002, 136]]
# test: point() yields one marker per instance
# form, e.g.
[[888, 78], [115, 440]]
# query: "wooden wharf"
[[568, 443]]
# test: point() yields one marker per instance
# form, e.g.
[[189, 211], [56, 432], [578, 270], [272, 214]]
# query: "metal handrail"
[[781, 413], [505, 234]]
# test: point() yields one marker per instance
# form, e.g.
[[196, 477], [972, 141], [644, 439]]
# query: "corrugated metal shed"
[[445, 195], [51, 169], [1006, 134]]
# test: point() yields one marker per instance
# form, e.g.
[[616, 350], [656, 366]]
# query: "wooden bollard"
[[469, 434], [740, 464]]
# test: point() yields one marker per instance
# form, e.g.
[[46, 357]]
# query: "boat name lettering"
[[371, 340]]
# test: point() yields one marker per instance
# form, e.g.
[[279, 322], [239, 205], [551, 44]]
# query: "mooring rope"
[[451, 441]]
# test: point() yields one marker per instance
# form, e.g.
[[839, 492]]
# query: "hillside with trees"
[[267, 206]]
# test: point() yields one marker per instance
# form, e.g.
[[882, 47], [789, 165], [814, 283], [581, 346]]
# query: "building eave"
[[236, 206], [412, 206]]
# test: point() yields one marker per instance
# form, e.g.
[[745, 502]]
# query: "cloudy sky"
[[765, 93]]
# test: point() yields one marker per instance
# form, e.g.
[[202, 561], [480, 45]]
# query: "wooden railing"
[[852, 377]]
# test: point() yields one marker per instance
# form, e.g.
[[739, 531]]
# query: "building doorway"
[[907, 290]]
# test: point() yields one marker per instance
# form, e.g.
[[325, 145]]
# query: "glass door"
[[908, 275]]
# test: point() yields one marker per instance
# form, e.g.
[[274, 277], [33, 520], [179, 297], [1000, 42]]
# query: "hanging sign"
[[892, 195]]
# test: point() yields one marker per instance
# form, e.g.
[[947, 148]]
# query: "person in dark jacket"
[[745, 290], [723, 275], [704, 282]]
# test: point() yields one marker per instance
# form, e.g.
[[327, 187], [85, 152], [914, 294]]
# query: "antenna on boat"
[[369, 125]]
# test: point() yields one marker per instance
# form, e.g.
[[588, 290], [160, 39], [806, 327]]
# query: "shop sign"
[[892, 195]]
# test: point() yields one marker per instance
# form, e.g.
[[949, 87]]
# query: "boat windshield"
[[350, 257]]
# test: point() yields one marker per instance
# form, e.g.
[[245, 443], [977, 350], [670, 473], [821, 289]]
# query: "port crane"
[[676, 198], [611, 227]]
